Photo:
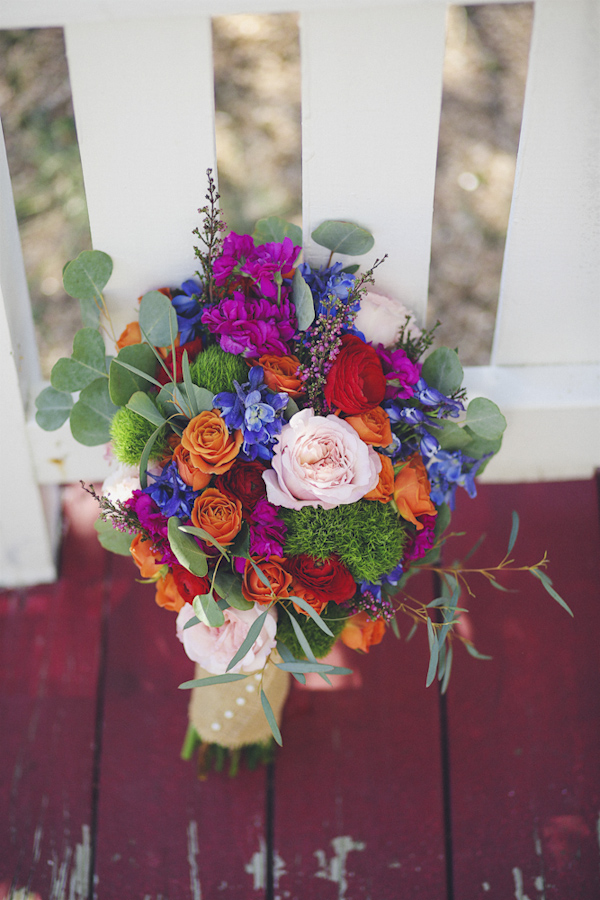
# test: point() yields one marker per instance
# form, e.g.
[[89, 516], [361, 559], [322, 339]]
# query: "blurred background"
[[257, 89]]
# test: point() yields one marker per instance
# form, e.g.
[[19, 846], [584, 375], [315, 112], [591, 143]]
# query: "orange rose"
[[131, 334], [299, 590], [211, 448], [279, 373], [384, 489], [411, 491], [218, 514], [373, 427], [188, 473], [361, 632], [167, 594], [145, 558], [253, 588]]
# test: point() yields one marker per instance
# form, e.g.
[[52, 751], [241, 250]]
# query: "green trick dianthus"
[[216, 370], [130, 434], [367, 536], [334, 616]]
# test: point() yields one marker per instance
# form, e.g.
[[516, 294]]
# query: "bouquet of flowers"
[[287, 450]]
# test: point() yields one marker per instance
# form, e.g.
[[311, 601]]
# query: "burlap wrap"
[[231, 714]]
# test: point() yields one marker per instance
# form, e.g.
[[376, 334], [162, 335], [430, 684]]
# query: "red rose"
[[193, 349], [188, 585], [356, 381], [244, 482], [328, 579]]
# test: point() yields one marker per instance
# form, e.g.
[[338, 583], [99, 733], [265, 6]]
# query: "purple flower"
[[154, 522], [267, 530], [251, 326], [421, 541], [269, 261], [401, 373], [447, 471], [236, 247]]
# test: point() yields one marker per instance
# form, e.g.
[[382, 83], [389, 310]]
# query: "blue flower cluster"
[[330, 286], [449, 470], [189, 311], [255, 410], [171, 494]]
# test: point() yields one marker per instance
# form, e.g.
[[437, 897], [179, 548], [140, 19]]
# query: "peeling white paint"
[[80, 876], [518, 876], [486, 886], [37, 840], [193, 850], [540, 884], [335, 869], [257, 867]]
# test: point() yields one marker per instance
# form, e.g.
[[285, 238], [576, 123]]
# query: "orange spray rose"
[[411, 491], [373, 427], [384, 489], [253, 588], [211, 447], [279, 373], [361, 632], [218, 514]]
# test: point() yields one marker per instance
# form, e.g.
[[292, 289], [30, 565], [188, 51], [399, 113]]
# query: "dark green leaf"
[[92, 414], [189, 384], [548, 586], [274, 230], [270, 717], [143, 375], [53, 408], [303, 301], [186, 549], [122, 382], [451, 436], [485, 419], [86, 364], [291, 409], [442, 370], [249, 640], [303, 604], [201, 533], [86, 277], [112, 539], [146, 456], [144, 406], [158, 319], [343, 237], [213, 679]]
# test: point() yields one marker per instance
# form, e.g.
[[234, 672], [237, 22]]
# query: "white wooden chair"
[[141, 69]]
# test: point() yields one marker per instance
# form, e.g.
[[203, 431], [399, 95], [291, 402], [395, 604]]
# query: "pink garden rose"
[[320, 461], [214, 648], [380, 319]]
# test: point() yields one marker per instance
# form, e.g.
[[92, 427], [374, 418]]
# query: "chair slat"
[[372, 83], [549, 311], [144, 109]]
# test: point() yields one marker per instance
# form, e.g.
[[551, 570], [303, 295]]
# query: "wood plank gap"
[[270, 831], [99, 722]]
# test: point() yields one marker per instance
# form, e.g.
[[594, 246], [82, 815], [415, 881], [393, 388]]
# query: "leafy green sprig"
[[210, 234]]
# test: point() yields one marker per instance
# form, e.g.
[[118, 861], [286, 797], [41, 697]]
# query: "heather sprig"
[[210, 234]]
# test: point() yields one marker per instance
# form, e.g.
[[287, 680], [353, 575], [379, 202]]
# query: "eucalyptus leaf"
[[158, 319], [270, 717], [513, 532], [541, 576], [302, 639], [259, 572], [213, 679], [92, 414], [189, 554], [90, 313], [53, 408], [112, 539], [143, 375], [485, 419], [144, 406], [249, 640], [472, 651], [274, 230], [304, 605], [303, 301], [479, 447], [201, 533], [288, 657], [447, 668], [191, 622], [86, 363], [207, 610], [434, 649], [343, 237], [241, 544], [451, 436], [86, 277], [228, 586], [442, 370], [291, 409], [122, 382], [145, 459]]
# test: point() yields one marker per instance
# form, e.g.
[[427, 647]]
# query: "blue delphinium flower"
[[330, 286], [170, 493], [430, 397], [189, 311], [254, 409], [449, 470]]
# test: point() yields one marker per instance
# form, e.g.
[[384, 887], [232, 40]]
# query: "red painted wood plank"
[[48, 675], [525, 727], [358, 783], [161, 832]]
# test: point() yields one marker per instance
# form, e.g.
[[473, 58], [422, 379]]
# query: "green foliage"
[[122, 382], [485, 419], [442, 370], [53, 408], [334, 616], [86, 277], [130, 434], [343, 237], [303, 301], [367, 536], [158, 319], [216, 370], [112, 539], [275, 229], [87, 362], [92, 414]]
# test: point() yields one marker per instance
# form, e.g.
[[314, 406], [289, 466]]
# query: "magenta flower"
[[401, 373], [267, 530], [251, 326]]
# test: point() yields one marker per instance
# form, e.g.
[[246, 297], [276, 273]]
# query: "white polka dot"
[[250, 688], [240, 701], [215, 726], [228, 714], [258, 676]]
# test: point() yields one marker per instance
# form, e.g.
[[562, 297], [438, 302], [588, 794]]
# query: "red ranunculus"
[[244, 481], [356, 381], [193, 349], [188, 585], [328, 579]]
